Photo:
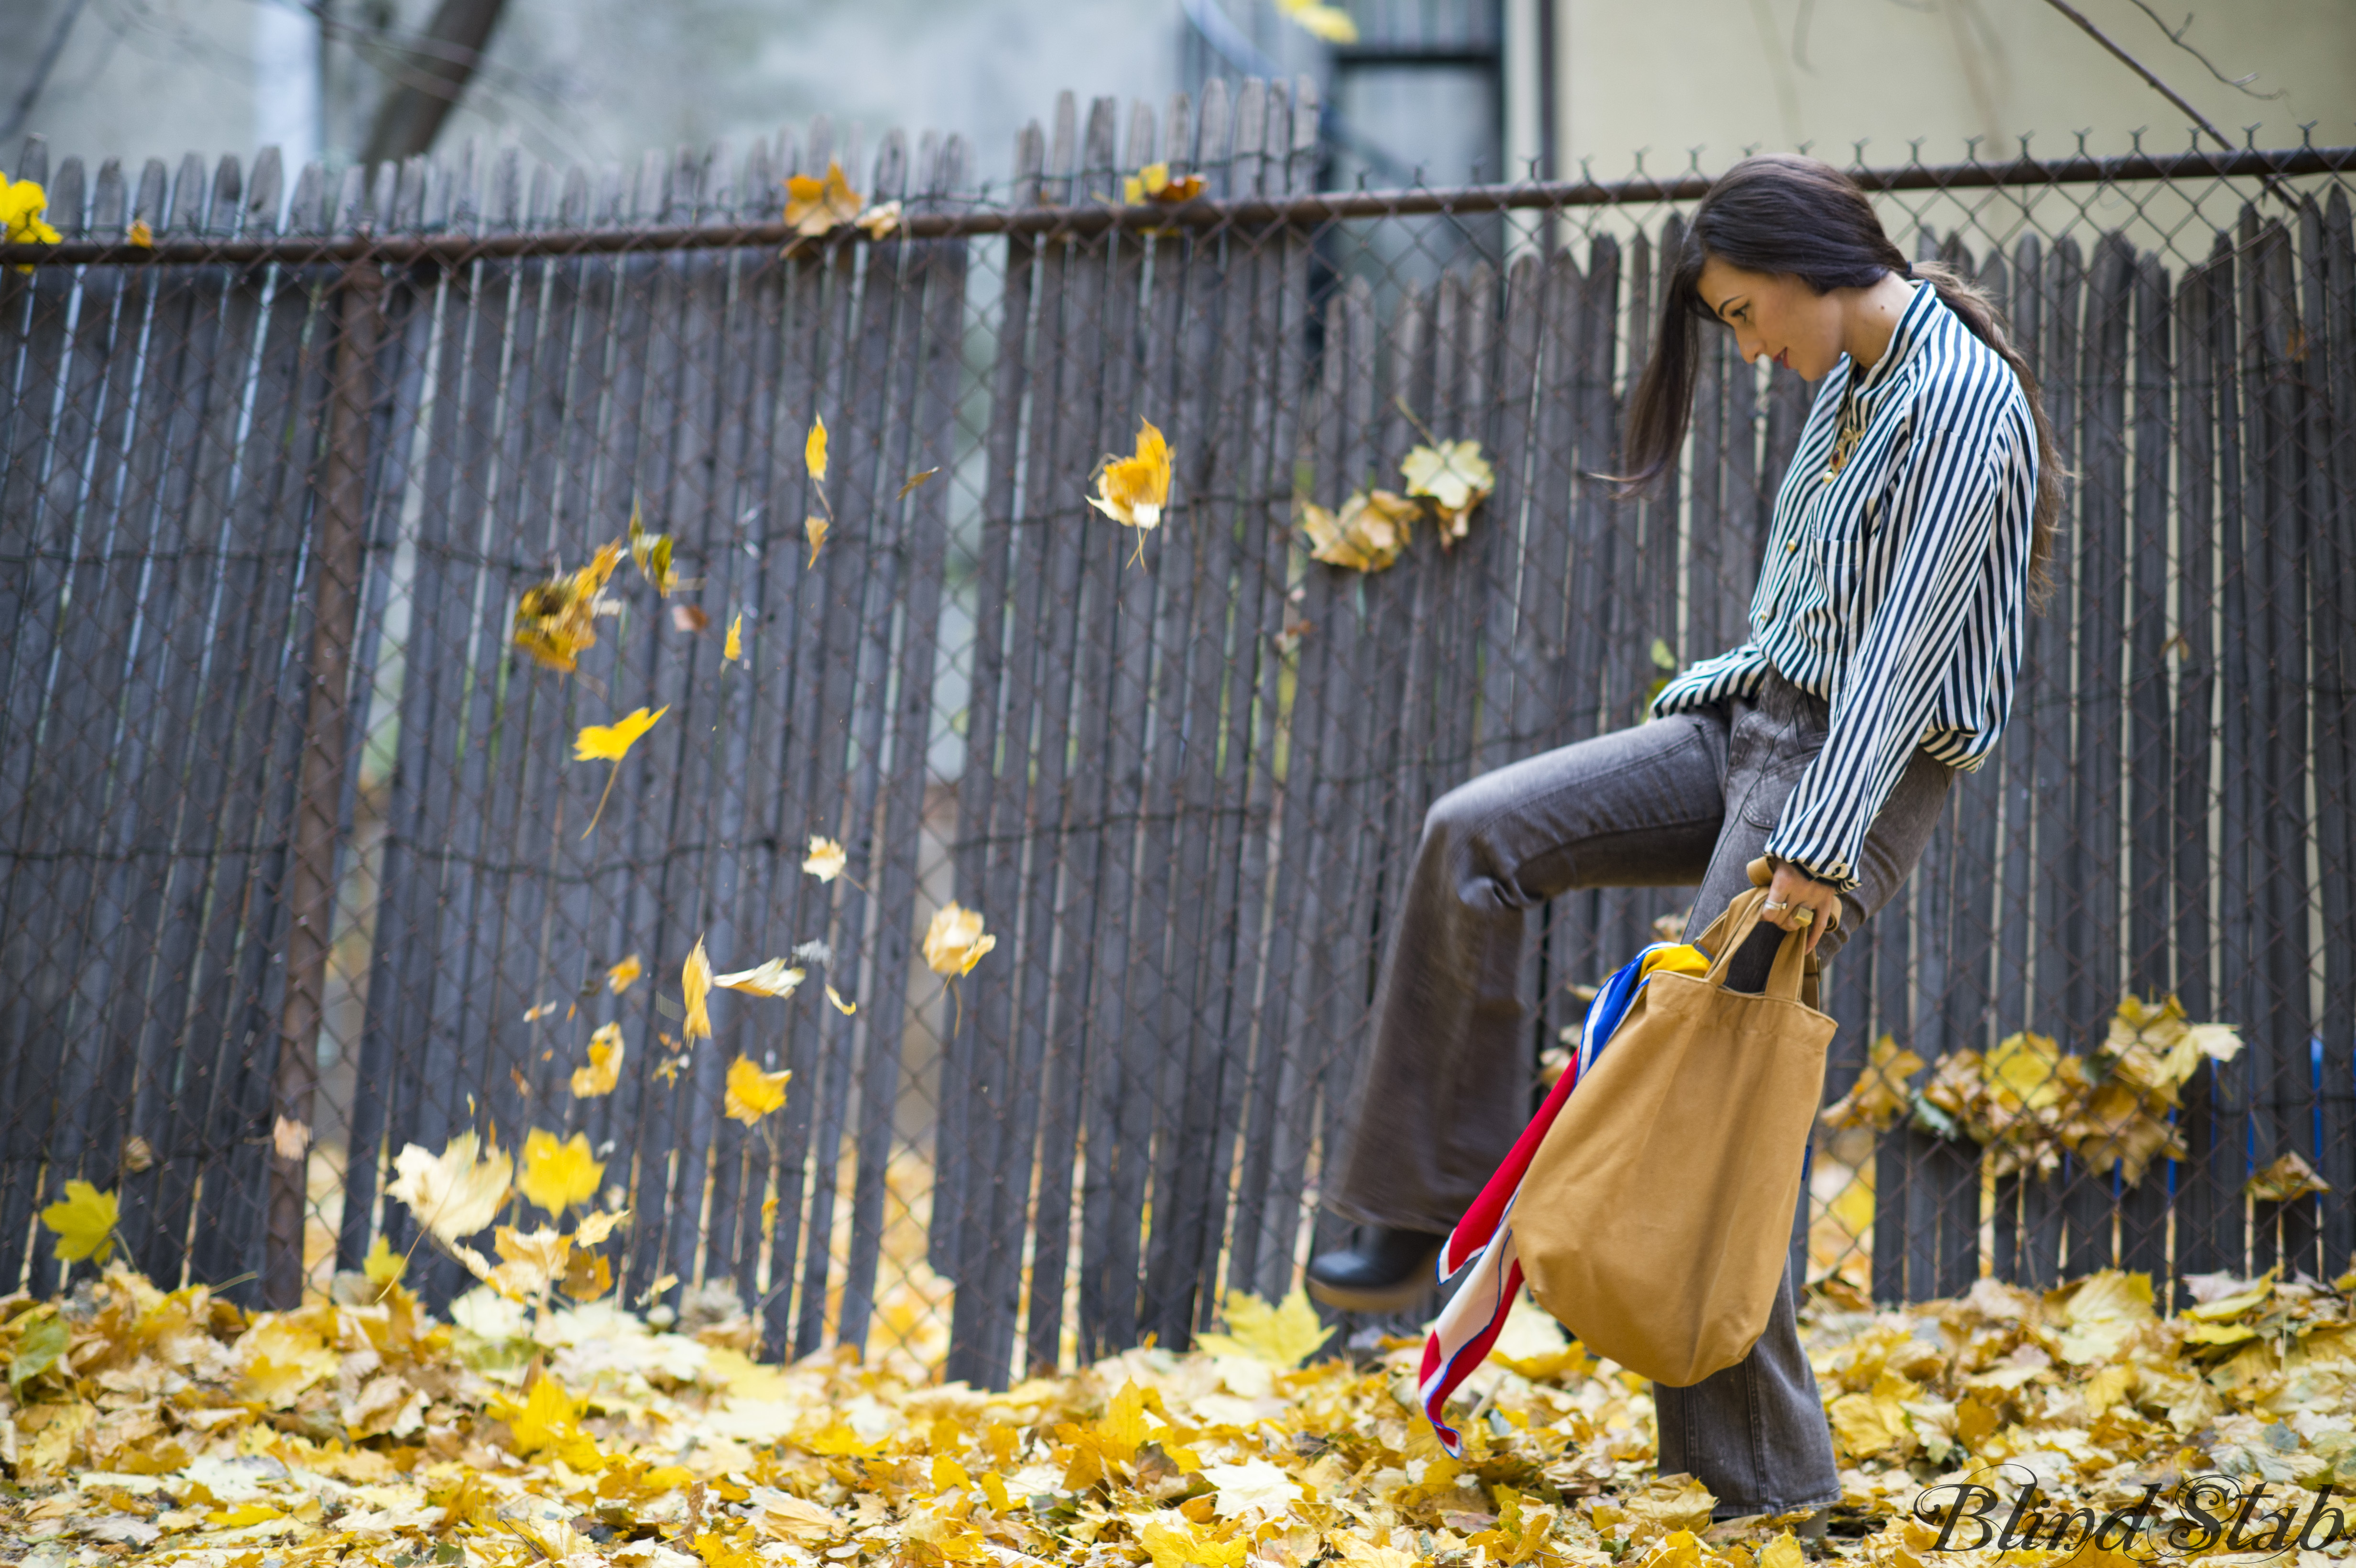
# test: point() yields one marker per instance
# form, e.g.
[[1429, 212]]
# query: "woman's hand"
[[1792, 891]]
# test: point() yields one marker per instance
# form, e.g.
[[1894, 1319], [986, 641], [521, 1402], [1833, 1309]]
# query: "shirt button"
[[1791, 547]]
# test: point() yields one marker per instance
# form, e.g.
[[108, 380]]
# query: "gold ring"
[[1804, 917]]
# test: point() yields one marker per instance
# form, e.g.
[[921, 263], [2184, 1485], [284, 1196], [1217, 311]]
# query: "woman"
[[1909, 537]]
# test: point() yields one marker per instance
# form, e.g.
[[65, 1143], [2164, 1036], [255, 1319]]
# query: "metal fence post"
[[311, 890]]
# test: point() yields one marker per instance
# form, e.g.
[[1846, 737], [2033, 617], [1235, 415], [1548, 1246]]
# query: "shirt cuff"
[[1814, 862]]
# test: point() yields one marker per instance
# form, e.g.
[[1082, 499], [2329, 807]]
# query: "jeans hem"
[[1832, 1501]]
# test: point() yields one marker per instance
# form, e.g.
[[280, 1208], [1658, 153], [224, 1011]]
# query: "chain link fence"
[[299, 867]]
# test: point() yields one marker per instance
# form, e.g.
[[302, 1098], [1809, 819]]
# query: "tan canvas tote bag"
[[1655, 1217]]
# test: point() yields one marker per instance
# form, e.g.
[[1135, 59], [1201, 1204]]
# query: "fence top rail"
[[449, 246]]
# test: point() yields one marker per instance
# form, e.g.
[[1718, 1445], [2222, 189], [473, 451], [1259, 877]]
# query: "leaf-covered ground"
[[171, 1427]]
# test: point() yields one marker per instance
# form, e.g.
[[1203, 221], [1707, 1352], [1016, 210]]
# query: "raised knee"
[[1452, 820]]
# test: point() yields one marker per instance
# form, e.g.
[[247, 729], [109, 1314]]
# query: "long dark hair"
[[1780, 213]]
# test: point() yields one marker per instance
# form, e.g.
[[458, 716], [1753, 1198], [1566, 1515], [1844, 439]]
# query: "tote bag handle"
[[1740, 918]]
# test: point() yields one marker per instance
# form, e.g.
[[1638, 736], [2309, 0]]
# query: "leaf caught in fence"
[[880, 222], [289, 1138], [817, 206], [774, 978], [1455, 476], [2286, 1180], [955, 942], [1368, 533], [1155, 183]]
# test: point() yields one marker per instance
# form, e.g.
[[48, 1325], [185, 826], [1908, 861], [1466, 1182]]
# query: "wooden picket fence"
[[272, 774]]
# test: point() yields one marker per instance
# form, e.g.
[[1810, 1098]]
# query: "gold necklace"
[[1848, 431]]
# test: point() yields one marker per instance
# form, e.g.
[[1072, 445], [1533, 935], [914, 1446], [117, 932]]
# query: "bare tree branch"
[[2176, 36], [2158, 86]]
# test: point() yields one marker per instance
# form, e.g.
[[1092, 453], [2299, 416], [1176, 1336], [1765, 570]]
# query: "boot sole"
[[1386, 1298]]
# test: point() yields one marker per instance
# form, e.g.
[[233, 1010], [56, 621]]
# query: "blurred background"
[[1458, 88]]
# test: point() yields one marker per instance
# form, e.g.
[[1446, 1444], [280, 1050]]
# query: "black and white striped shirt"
[[1896, 590]]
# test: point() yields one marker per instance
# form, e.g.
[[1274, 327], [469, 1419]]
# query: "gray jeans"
[[1680, 802]]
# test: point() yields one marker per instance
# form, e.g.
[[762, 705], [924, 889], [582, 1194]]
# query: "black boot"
[[1382, 1271]]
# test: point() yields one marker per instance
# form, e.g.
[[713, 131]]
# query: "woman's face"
[[1775, 315]]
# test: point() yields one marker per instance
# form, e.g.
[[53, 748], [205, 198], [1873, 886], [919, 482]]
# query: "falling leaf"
[[622, 976], [596, 1225], [382, 1265], [954, 941], [1368, 533], [556, 1175], [880, 222], [753, 1094], [604, 1068], [1331, 23], [1455, 476], [816, 528], [695, 985], [652, 552], [1134, 490], [289, 1138], [772, 979], [733, 649], [1284, 1335], [817, 206], [137, 1155], [531, 1262], [452, 1194], [534, 1013], [612, 743], [2289, 1179], [814, 448], [82, 1221], [813, 951], [845, 1009], [587, 1276], [555, 621], [825, 859], [689, 618], [909, 486]]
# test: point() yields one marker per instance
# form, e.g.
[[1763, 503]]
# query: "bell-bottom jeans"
[[1684, 801]]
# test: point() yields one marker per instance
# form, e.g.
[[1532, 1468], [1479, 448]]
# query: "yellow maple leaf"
[[531, 1262], [452, 1194], [1455, 476], [383, 1266], [1134, 490], [815, 207], [550, 1422], [774, 978], [622, 976], [1284, 1335], [1154, 182], [587, 1276], [954, 941], [695, 985], [83, 1223], [825, 859], [139, 234], [815, 526], [283, 1356], [612, 743], [1180, 1546], [604, 1069], [555, 621], [1330, 23], [556, 1175], [2286, 1180], [753, 1094], [1368, 533], [733, 650]]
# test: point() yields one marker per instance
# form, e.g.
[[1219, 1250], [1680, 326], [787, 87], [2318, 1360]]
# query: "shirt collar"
[[1902, 338]]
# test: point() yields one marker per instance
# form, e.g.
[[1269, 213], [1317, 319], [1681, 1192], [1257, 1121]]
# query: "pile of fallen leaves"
[[172, 1426]]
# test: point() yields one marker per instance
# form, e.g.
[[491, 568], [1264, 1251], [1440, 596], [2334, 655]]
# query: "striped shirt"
[[1895, 590]]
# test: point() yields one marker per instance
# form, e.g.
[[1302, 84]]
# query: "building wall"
[[1665, 76]]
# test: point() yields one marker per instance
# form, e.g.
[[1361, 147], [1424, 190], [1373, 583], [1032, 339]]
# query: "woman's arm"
[[1944, 496]]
